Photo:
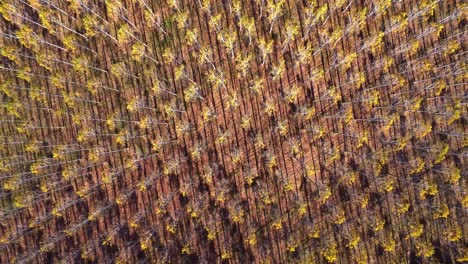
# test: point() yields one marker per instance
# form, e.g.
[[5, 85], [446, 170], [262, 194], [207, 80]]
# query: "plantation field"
[[233, 131]]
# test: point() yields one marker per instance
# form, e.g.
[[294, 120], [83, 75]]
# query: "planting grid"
[[198, 131]]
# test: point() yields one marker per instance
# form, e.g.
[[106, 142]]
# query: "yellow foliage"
[[25, 74], [277, 225], [144, 244], [133, 105], [252, 240], [387, 63], [181, 19], [191, 93], [133, 223], [424, 249], [373, 99], [382, 6], [227, 39], [463, 256], [211, 234], [171, 228], [138, 51], [288, 187], [226, 254], [398, 81], [353, 241], [330, 253], [304, 54], [419, 167], [321, 12], [348, 60], [257, 86], [81, 193], [399, 22], [7, 10], [388, 185], [334, 94], [293, 94], [454, 234], [335, 155], [291, 247], [56, 212], [278, 70], [441, 155], [245, 122], [191, 36], [43, 187], [283, 128], [192, 213], [415, 45], [108, 240], [121, 137], [440, 85], [121, 199], [442, 212], [415, 230], [243, 63], [27, 37], [168, 55], [232, 100], [452, 46], [324, 195], [403, 207], [389, 244], [378, 225], [429, 189], [454, 175], [340, 217], [302, 209], [363, 139], [12, 184], [215, 21], [179, 72], [142, 185], [361, 258], [222, 137], [36, 168], [335, 35], [402, 142], [376, 44], [186, 249], [274, 9], [271, 162], [313, 232], [269, 107]]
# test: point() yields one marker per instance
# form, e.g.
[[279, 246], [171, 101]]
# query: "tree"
[[192, 92], [304, 54], [191, 36], [329, 252], [138, 51], [424, 249], [278, 70], [124, 35], [292, 30], [242, 64], [7, 10], [314, 15], [90, 24], [274, 11], [266, 48], [228, 41], [248, 25]]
